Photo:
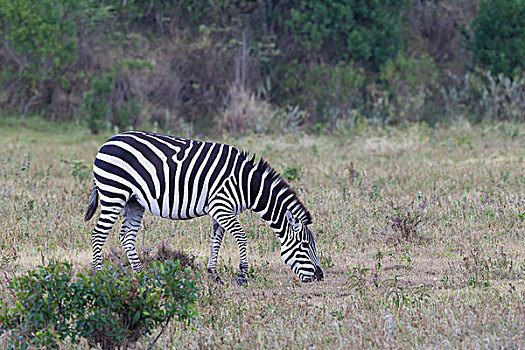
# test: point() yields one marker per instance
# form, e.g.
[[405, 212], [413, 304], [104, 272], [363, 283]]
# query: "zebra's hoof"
[[219, 281], [241, 281]]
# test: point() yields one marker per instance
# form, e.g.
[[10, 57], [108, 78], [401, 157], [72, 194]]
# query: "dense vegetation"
[[262, 65], [112, 308]]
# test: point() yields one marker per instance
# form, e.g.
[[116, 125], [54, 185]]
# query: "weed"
[[161, 252], [376, 188], [291, 173], [326, 260], [357, 278], [79, 169], [399, 296], [405, 220], [10, 176]]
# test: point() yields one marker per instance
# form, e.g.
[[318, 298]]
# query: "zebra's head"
[[298, 250]]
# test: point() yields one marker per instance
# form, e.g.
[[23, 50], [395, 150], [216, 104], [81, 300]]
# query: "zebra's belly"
[[177, 209], [176, 216]]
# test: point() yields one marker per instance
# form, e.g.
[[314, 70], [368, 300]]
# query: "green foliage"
[[109, 308], [97, 100], [481, 95], [499, 36], [160, 15], [79, 169], [327, 92], [103, 105], [189, 62], [39, 37], [409, 73], [408, 87], [367, 32], [404, 90], [291, 173]]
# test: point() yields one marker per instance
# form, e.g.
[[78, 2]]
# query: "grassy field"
[[421, 234]]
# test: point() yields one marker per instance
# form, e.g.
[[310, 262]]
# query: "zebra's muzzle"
[[318, 274]]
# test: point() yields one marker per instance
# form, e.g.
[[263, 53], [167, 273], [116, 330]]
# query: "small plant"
[[405, 220], [357, 278], [109, 308], [160, 252], [400, 296], [79, 170], [326, 261], [376, 188], [292, 173], [10, 177], [476, 268]]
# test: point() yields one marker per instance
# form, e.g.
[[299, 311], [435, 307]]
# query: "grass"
[[421, 233]]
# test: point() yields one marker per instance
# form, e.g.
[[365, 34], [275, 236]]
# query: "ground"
[[420, 232]]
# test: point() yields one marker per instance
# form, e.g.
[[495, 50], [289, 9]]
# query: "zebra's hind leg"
[[217, 233], [109, 213], [133, 212]]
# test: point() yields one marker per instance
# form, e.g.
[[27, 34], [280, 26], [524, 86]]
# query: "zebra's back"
[[170, 176]]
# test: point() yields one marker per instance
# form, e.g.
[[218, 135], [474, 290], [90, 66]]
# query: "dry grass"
[[421, 234]]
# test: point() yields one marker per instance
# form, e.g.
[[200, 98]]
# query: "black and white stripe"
[[182, 179]]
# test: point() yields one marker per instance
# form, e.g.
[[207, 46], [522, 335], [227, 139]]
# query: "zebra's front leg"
[[133, 212], [217, 233], [230, 223]]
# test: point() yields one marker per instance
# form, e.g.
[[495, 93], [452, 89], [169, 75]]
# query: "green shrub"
[[328, 93], [40, 42], [481, 95], [97, 101], [408, 86], [111, 99], [404, 90], [291, 173], [367, 32], [499, 36], [162, 16], [108, 308]]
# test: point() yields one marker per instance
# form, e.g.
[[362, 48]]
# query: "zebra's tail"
[[93, 203]]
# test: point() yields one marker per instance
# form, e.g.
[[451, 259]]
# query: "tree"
[[362, 31], [38, 41], [499, 36]]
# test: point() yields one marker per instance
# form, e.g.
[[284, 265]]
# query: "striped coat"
[[181, 179]]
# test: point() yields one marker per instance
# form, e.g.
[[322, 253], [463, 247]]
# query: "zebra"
[[181, 179]]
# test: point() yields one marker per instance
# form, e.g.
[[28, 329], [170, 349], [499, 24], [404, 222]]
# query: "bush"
[[367, 32], [480, 95], [39, 42], [408, 86], [328, 93], [111, 101], [499, 36], [109, 308], [404, 90], [245, 112]]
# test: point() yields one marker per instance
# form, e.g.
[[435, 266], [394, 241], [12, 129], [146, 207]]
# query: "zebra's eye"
[[305, 245]]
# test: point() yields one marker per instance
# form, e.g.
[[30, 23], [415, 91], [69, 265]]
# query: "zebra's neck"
[[270, 197]]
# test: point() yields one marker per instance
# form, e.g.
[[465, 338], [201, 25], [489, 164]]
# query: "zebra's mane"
[[263, 166]]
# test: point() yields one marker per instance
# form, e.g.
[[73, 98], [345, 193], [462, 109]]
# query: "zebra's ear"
[[292, 221]]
